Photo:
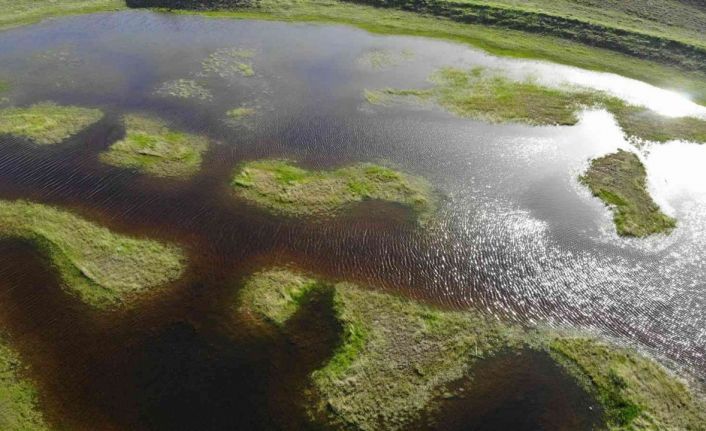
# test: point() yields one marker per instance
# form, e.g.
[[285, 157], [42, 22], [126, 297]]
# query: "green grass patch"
[[47, 123], [18, 396], [397, 359], [103, 268], [288, 189], [151, 147], [636, 392], [620, 181]]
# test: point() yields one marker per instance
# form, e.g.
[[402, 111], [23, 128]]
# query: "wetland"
[[239, 224]]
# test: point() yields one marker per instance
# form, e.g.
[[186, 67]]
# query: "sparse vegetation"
[[103, 268], [47, 123], [620, 181], [18, 396], [184, 89], [286, 188], [397, 358], [150, 146]]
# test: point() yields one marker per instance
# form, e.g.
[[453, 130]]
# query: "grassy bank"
[[103, 268], [285, 188], [620, 181], [484, 95], [47, 123], [397, 359], [151, 147], [688, 53], [22, 12], [18, 397]]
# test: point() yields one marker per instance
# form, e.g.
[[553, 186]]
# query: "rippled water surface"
[[517, 235]]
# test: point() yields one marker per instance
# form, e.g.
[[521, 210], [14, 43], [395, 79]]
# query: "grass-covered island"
[[397, 359], [285, 188], [620, 181], [488, 96], [103, 268], [18, 396], [47, 123], [151, 147]]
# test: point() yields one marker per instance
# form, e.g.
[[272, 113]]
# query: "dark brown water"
[[517, 237]]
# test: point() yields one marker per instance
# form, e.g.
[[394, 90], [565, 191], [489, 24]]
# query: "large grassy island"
[[398, 358]]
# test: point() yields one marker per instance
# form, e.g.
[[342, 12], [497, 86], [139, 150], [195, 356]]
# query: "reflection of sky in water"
[[518, 234]]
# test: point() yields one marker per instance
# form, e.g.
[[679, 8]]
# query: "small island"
[[47, 123], [103, 268], [398, 358], [285, 188], [151, 147], [620, 181]]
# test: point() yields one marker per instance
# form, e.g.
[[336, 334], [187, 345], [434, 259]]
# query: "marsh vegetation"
[[286, 188]]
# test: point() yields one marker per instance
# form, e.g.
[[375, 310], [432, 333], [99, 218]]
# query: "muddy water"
[[517, 235]]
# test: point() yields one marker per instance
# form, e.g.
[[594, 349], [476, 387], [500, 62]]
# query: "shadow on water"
[[521, 391]]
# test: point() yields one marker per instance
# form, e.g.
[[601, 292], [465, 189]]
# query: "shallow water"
[[517, 236]]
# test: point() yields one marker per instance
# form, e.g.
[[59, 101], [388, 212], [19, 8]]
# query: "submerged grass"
[[184, 89], [151, 147], [479, 94], [620, 181], [382, 59], [103, 268], [397, 359], [286, 188], [18, 396], [47, 123], [229, 62]]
